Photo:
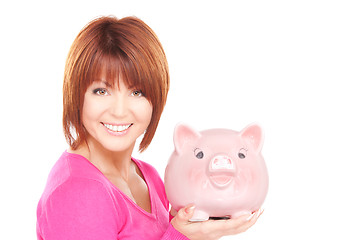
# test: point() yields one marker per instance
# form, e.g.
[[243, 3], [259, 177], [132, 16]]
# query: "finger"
[[242, 223], [259, 211], [251, 221], [173, 212]]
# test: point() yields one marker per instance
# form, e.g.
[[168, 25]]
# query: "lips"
[[117, 128]]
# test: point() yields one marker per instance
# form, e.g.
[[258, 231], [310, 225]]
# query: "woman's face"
[[115, 117]]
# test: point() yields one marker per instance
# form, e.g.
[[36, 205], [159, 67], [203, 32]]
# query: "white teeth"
[[118, 128]]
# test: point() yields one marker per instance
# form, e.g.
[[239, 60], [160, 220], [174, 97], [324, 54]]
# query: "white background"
[[293, 66]]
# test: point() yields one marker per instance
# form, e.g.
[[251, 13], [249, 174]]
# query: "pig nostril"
[[222, 162]]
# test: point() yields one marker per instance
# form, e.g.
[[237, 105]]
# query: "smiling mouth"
[[221, 180], [117, 128]]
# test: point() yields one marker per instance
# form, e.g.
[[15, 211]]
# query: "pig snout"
[[222, 163], [221, 170]]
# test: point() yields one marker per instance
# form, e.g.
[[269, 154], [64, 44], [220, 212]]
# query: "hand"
[[211, 229]]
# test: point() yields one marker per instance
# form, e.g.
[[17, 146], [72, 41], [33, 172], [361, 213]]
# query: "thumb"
[[184, 214], [181, 220]]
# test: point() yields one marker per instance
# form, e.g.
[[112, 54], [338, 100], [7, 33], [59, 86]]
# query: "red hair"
[[124, 48]]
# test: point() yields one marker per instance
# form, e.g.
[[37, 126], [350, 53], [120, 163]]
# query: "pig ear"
[[253, 134], [182, 135]]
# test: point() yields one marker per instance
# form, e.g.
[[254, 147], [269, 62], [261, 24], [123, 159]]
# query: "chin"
[[117, 146]]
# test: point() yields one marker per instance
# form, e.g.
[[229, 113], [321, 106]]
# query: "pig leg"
[[199, 215]]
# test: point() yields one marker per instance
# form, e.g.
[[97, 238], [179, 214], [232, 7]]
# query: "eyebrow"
[[104, 82]]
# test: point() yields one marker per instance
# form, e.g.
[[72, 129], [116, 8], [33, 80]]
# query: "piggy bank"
[[220, 171]]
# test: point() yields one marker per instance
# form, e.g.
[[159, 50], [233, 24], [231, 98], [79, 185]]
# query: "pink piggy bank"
[[220, 171]]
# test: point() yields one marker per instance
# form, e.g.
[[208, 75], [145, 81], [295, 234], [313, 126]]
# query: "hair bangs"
[[115, 66]]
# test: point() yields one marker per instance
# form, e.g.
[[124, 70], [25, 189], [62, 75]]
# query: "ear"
[[182, 135], [253, 134]]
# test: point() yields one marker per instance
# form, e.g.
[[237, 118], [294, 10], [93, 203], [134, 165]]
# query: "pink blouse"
[[79, 202]]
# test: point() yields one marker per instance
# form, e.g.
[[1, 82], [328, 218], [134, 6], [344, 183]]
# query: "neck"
[[110, 163]]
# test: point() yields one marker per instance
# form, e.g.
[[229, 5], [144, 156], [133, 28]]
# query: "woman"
[[115, 87]]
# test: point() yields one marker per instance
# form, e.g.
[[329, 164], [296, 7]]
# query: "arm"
[[173, 234], [79, 209]]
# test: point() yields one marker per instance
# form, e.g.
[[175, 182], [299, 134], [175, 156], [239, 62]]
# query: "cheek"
[[144, 111], [90, 112], [148, 112], [86, 113]]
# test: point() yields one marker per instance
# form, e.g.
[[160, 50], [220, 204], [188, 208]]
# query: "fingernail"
[[189, 209]]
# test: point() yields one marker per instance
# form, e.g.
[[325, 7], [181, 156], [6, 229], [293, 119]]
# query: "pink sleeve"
[[173, 234], [79, 209]]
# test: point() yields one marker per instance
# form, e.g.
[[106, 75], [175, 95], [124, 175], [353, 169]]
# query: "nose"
[[119, 105], [221, 163]]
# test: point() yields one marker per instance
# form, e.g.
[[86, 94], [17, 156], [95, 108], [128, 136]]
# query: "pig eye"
[[242, 153], [198, 153]]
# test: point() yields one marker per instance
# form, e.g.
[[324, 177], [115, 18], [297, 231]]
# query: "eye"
[[242, 153], [101, 91], [137, 93], [198, 153]]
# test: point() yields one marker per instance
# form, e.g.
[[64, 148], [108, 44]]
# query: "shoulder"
[[78, 209], [74, 182], [72, 170], [73, 178], [76, 196]]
